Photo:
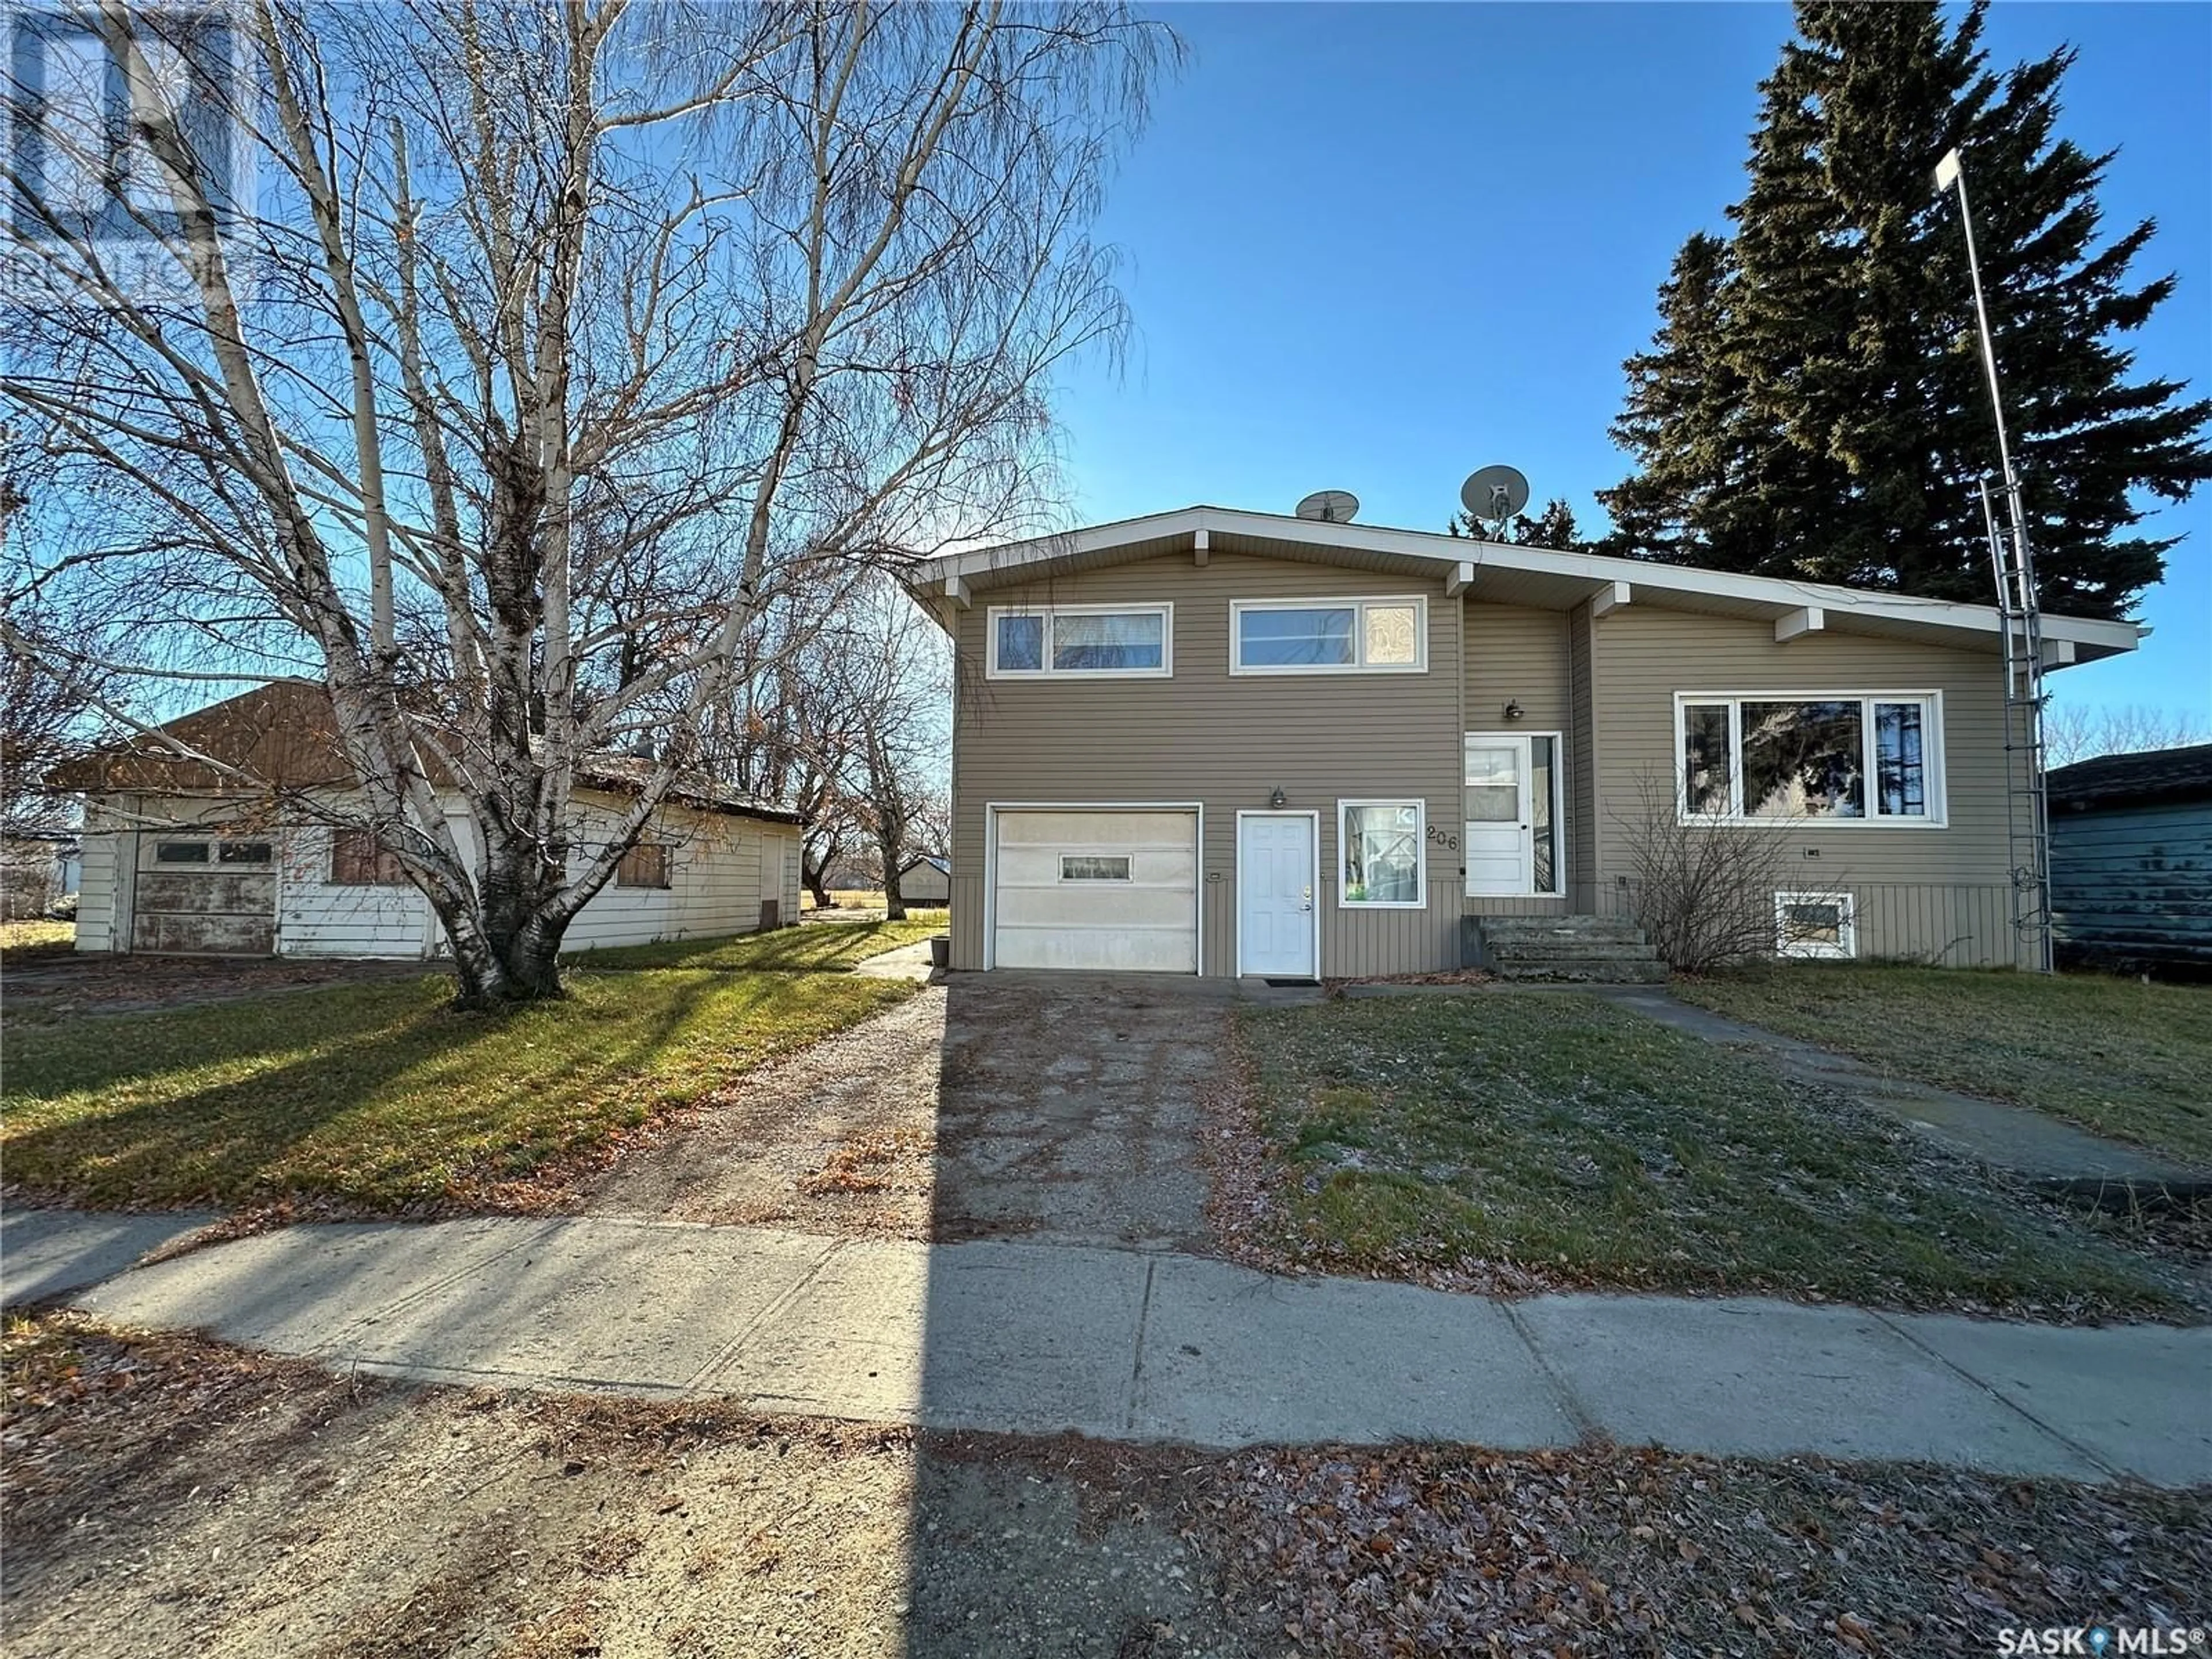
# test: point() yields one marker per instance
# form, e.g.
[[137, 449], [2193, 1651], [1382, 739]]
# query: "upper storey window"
[[1336, 636], [1037, 642]]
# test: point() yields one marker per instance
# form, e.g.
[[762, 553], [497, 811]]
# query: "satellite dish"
[[1333, 506], [1495, 494]]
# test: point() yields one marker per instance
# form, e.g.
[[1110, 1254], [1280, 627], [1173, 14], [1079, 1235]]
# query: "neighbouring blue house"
[[2131, 859]]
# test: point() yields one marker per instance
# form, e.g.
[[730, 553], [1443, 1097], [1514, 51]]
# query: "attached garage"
[[201, 894], [1107, 888]]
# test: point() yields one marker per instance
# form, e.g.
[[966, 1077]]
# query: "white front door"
[[1275, 913], [1499, 849]]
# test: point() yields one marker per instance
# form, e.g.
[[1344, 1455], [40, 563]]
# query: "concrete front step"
[[1610, 970], [1584, 927], [1535, 949]]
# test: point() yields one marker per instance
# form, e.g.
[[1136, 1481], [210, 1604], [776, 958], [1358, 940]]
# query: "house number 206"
[[1443, 838]]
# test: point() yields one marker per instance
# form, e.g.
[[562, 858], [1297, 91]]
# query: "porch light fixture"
[[1513, 709], [1276, 801]]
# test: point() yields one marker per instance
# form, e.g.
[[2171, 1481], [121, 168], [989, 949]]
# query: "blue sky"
[[1374, 246]]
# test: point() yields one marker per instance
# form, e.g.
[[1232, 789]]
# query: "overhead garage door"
[[204, 895], [1098, 888]]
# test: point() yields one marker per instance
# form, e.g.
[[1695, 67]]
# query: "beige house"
[[1231, 743], [926, 880], [254, 856]]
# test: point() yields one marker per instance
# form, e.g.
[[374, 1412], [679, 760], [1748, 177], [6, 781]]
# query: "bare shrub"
[[1701, 888]]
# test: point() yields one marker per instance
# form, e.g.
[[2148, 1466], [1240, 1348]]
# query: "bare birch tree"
[[545, 333]]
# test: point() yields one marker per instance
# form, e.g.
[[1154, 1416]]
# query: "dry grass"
[[381, 1098], [2117, 1056], [36, 936], [1516, 1141]]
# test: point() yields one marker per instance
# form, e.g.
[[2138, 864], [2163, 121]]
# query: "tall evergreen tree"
[[1813, 404]]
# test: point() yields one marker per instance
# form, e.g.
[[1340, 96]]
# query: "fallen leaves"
[[1435, 1551]]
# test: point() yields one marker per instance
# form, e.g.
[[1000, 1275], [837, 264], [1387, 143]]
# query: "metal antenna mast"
[[2012, 563]]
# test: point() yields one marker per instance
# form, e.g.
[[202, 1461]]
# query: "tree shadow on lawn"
[[384, 1098]]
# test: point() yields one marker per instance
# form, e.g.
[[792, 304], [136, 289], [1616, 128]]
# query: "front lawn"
[[380, 1096], [1511, 1141], [811, 948], [2116, 1056]]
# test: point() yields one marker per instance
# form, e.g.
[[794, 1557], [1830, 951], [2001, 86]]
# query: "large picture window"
[[1774, 757], [1329, 636], [1090, 639], [1381, 843]]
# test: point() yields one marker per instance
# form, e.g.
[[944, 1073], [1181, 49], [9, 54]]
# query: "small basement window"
[[1815, 925], [1094, 866], [181, 852], [645, 865]]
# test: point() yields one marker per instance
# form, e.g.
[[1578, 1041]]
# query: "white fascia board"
[[1448, 552]]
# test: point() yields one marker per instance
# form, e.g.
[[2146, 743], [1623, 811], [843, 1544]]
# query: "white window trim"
[[1848, 934], [1333, 602], [1420, 900], [1936, 817], [1163, 610], [1558, 813]]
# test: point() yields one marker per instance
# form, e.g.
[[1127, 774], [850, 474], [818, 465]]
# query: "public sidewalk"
[[1135, 1345]]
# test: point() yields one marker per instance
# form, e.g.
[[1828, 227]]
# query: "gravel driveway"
[[1058, 1108]]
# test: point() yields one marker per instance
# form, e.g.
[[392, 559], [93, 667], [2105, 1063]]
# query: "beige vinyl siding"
[[1584, 749], [1221, 742], [1921, 891], [1515, 654]]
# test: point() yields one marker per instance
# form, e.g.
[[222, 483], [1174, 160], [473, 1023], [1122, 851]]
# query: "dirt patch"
[[175, 1496], [67, 984], [1065, 1109], [284, 1511]]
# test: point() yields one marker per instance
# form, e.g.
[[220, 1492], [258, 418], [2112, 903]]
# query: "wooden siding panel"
[[1644, 656], [1226, 741], [2133, 882]]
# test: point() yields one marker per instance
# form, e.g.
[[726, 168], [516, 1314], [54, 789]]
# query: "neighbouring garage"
[[204, 895], [1098, 888]]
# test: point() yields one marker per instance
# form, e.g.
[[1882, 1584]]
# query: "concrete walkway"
[[1153, 1346]]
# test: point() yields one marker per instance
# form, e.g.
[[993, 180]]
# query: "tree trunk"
[[894, 905], [508, 949]]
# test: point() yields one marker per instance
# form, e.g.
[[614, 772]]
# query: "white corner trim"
[[1812, 619], [1611, 597], [1199, 548], [957, 591], [2059, 653], [1459, 579]]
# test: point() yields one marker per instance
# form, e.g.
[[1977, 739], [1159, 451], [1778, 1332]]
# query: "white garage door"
[[1098, 888]]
